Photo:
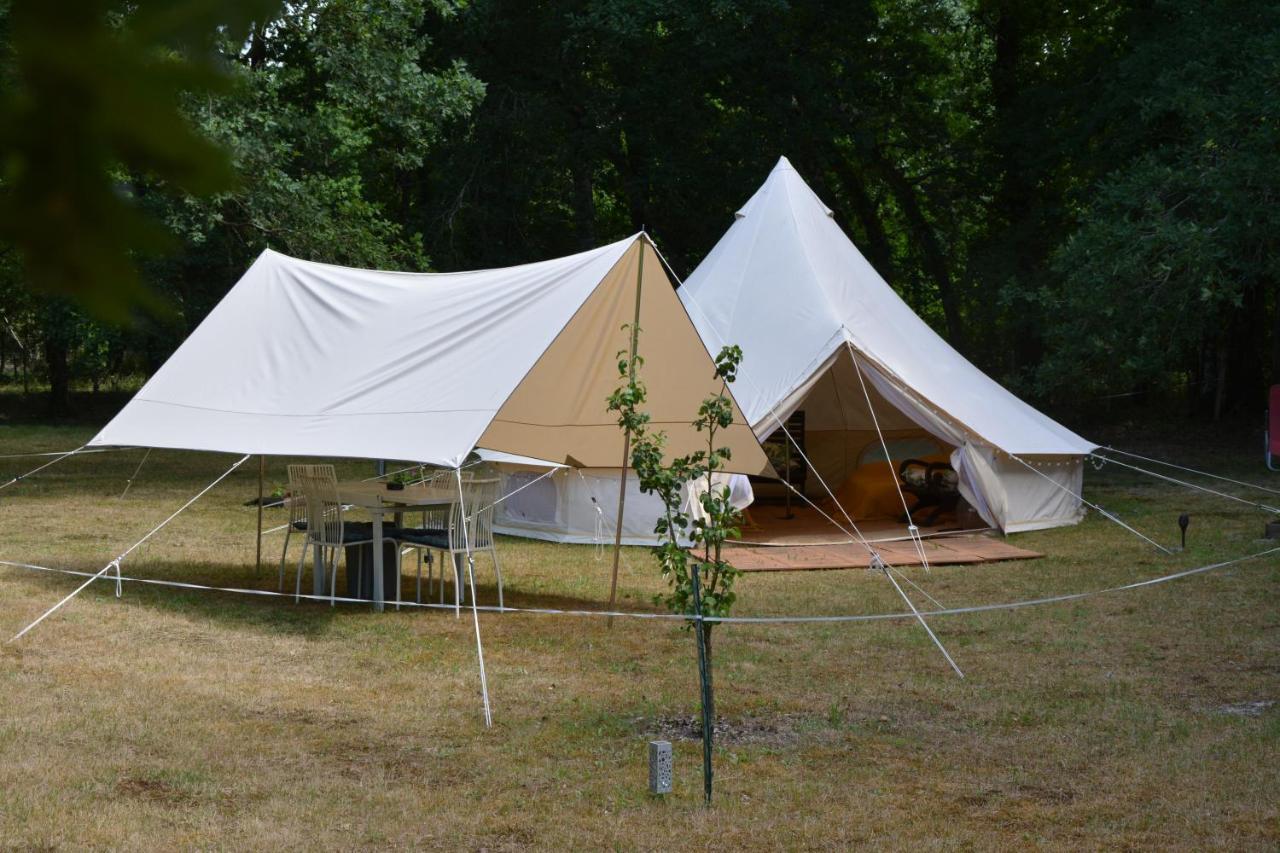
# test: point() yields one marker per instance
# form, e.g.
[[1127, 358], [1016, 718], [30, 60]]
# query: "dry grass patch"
[[189, 719]]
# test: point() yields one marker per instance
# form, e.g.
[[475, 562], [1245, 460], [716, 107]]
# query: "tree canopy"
[[1080, 196]]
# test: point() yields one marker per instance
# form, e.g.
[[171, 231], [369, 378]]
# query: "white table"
[[377, 500]]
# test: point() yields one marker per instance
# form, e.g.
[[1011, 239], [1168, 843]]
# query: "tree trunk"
[[1275, 330], [55, 357], [935, 259], [877, 245], [584, 205], [256, 56], [1021, 243], [1220, 381]]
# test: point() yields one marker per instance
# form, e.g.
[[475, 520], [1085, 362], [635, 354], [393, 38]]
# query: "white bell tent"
[[823, 333]]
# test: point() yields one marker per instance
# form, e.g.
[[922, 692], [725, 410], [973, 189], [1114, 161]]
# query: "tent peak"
[[786, 180]]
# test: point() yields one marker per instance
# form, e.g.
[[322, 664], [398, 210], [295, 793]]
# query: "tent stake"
[[626, 446], [262, 470]]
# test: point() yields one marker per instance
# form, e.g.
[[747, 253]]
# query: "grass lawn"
[[174, 719]]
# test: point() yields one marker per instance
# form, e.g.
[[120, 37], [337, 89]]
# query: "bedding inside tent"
[[838, 433]]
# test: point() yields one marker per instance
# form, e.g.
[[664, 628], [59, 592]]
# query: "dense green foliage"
[[1080, 196]]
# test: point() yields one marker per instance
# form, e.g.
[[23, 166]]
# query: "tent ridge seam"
[[305, 414]]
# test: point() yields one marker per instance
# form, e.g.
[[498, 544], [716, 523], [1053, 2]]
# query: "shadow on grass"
[[271, 614]]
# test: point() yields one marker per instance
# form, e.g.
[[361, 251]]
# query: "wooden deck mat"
[[943, 551], [809, 527]]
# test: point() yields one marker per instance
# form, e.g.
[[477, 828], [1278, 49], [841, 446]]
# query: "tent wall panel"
[[550, 416], [562, 507]]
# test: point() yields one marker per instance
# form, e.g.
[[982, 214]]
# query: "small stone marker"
[[659, 767]]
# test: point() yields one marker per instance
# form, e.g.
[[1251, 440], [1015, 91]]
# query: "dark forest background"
[[1081, 196]]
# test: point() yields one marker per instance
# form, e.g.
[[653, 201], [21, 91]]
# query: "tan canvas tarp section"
[[558, 411]]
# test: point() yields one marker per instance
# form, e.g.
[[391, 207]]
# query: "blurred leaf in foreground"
[[90, 95]]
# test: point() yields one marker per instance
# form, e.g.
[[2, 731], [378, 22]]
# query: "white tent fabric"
[[580, 506], [809, 311], [310, 359]]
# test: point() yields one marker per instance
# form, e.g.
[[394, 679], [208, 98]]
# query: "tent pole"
[[787, 475], [626, 446], [465, 524], [262, 471]]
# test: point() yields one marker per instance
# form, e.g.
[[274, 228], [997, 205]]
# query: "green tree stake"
[[702, 631]]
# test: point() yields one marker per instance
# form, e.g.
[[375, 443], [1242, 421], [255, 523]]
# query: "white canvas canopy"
[[810, 314], [310, 359]]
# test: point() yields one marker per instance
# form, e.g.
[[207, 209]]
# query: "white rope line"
[[1193, 471], [83, 451], [548, 473], [875, 554], [69, 596], [324, 599], [902, 576], [1094, 506], [877, 561], [1176, 481], [14, 334], [116, 562], [1013, 605], [773, 411], [598, 537], [424, 465], [472, 517], [59, 458], [391, 473], [741, 620], [136, 471], [923, 624], [912, 530], [475, 613]]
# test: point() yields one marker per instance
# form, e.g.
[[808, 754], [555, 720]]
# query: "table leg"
[[377, 559]]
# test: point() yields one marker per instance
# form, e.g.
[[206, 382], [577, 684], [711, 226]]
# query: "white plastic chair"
[[478, 496], [328, 532], [297, 502], [434, 518]]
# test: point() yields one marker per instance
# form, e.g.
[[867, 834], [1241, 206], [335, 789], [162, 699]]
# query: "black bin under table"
[[360, 570]]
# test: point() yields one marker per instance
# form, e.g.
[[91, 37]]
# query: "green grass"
[[185, 719]]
